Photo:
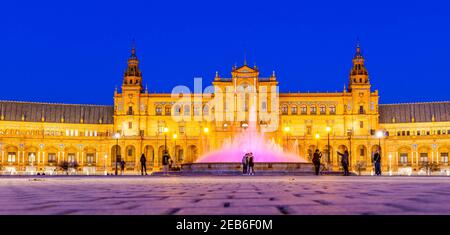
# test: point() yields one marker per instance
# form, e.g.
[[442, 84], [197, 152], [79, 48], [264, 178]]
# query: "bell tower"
[[129, 103], [359, 76], [132, 79]]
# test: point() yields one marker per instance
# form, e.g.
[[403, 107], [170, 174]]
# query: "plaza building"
[[37, 137]]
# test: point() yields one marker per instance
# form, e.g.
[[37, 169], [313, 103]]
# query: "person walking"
[[377, 162], [316, 161], [122, 167], [165, 162], [251, 164], [143, 165], [244, 164], [344, 162]]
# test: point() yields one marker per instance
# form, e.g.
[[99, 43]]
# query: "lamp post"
[[328, 129], [175, 136], [379, 135], [117, 136], [165, 130], [350, 133], [317, 136], [206, 131], [390, 169], [286, 130], [104, 165]]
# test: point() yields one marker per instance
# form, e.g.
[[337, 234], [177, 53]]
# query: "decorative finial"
[[245, 59], [146, 89], [358, 45], [273, 73]]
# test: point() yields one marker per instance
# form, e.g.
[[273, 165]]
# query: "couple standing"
[[248, 164], [344, 161]]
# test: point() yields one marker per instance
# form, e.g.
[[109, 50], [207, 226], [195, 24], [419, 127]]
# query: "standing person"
[[143, 166], [122, 167], [344, 162], [170, 163], [251, 164], [165, 162], [377, 162], [316, 161], [244, 164]]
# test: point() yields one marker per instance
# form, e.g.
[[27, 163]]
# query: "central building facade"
[[188, 124]]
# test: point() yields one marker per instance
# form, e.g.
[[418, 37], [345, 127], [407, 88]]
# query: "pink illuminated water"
[[250, 140]]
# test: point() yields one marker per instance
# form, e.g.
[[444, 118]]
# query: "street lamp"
[[106, 157], [379, 135], [286, 130], [165, 130], [206, 131], [175, 136], [328, 129], [117, 137], [390, 166], [317, 139]]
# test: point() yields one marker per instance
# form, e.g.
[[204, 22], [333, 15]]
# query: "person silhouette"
[[143, 165]]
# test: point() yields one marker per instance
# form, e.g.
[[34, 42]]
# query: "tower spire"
[[358, 74], [133, 75]]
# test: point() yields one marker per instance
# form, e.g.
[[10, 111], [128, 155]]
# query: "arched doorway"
[[12, 155], [51, 153], [158, 160], [404, 158], [192, 153], [89, 156], [149, 153], [115, 155], [178, 154], [326, 158], [31, 156], [362, 153], [130, 157]]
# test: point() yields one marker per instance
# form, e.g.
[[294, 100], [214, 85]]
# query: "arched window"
[[294, 110], [177, 110], [332, 109], [322, 110], [313, 110], [205, 110], [187, 110], [304, 110], [284, 109], [158, 110], [197, 110], [167, 110]]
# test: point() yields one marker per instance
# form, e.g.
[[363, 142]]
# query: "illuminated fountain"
[[268, 155], [251, 141]]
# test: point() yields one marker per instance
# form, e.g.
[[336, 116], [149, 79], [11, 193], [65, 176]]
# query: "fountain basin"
[[234, 168]]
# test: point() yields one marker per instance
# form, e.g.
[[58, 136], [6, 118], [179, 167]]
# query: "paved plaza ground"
[[181, 195]]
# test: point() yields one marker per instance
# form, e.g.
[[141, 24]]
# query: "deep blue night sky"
[[76, 52]]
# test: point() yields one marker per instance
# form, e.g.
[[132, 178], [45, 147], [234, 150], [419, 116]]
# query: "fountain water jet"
[[251, 140]]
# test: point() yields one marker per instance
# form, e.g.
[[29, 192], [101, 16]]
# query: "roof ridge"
[[34, 102]]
